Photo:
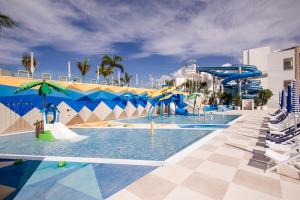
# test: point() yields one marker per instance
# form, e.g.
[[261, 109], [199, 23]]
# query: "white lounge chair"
[[276, 116], [284, 148], [281, 159], [282, 125]]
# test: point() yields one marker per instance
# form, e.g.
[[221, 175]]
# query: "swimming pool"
[[107, 143], [184, 119], [44, 180]]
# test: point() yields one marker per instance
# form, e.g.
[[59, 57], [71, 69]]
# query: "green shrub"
[[236, 100], [211, 100], [264, 96], [225, 98], [256, 102]]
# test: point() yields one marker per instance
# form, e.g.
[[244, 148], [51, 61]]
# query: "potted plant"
[[256, 103], [264, 96], [225, 98], [237, 102]]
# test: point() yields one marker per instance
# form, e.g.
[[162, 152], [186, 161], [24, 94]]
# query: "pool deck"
[[216, 170]]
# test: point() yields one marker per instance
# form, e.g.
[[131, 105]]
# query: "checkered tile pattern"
[[217, 170]]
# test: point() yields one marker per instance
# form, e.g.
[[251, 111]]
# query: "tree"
[[225, 98], [126, 79], [105, 72], [83, 67], [236, 100], [45, 88], [112, 62], [195, 86], [170, 82], [6, 22], [264, 96], [26, 62]]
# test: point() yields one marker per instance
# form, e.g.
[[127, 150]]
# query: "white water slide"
[[197, 108], [61, 132]]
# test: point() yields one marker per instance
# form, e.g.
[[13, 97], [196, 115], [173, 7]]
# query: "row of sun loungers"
[[279, 140]]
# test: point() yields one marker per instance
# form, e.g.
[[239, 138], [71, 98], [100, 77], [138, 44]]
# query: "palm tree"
[[105, 72], [26, 62], [83, 67], [6, 22], [45, 88], [170, 82], [112, 62], [126, 79]]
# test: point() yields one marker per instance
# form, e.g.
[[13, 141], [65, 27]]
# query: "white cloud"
[[178, 28]]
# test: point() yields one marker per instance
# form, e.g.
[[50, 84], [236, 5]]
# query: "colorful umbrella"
[[283, 99], [295, 98], [289, 99], [279, 99]]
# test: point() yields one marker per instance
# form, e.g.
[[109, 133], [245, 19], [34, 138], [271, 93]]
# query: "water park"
[[94, 128], [67, 130]]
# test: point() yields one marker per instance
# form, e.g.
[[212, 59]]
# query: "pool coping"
[[85, 159], [172, 159], [170, 127]]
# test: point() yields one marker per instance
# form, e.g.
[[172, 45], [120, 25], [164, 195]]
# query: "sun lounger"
[[289, 135], [281, 159], [288, 147], [279, 119], [278, 115], [287, 122], [275, 113]]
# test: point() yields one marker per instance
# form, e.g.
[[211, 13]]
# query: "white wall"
[[277, 75], [179, 81], [259, 58]]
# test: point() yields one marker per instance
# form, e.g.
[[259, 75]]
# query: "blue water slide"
[[231, 73], [181, 111], [243, 75], [180, 108]]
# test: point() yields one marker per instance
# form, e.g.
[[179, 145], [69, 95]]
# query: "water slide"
[[172, 108], [236, 73], [61, 132], [192, 106]]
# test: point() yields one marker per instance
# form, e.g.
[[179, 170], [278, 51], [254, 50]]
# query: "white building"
[[189, 72], [279, 68]]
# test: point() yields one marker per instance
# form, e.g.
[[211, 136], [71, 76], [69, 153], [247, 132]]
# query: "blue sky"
[[153, 37]]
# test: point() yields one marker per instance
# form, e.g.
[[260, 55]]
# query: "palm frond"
[[106, 60], [57, 87], [117, 58], [84, 66], [27, 86], [6, 21], [119, 66]]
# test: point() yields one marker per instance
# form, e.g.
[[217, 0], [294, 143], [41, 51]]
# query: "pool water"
[[44, 180], [107, 143], [184, 119]]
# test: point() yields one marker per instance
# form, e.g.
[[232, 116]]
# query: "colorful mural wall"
[[84, 103]]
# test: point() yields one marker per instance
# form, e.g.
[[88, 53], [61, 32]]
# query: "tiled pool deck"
[[218, 171], [215, 170]]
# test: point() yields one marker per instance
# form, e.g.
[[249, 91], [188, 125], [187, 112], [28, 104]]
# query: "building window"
[[288, 63], [286, 83]]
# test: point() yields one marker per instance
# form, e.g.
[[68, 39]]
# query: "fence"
[[63, 77]]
